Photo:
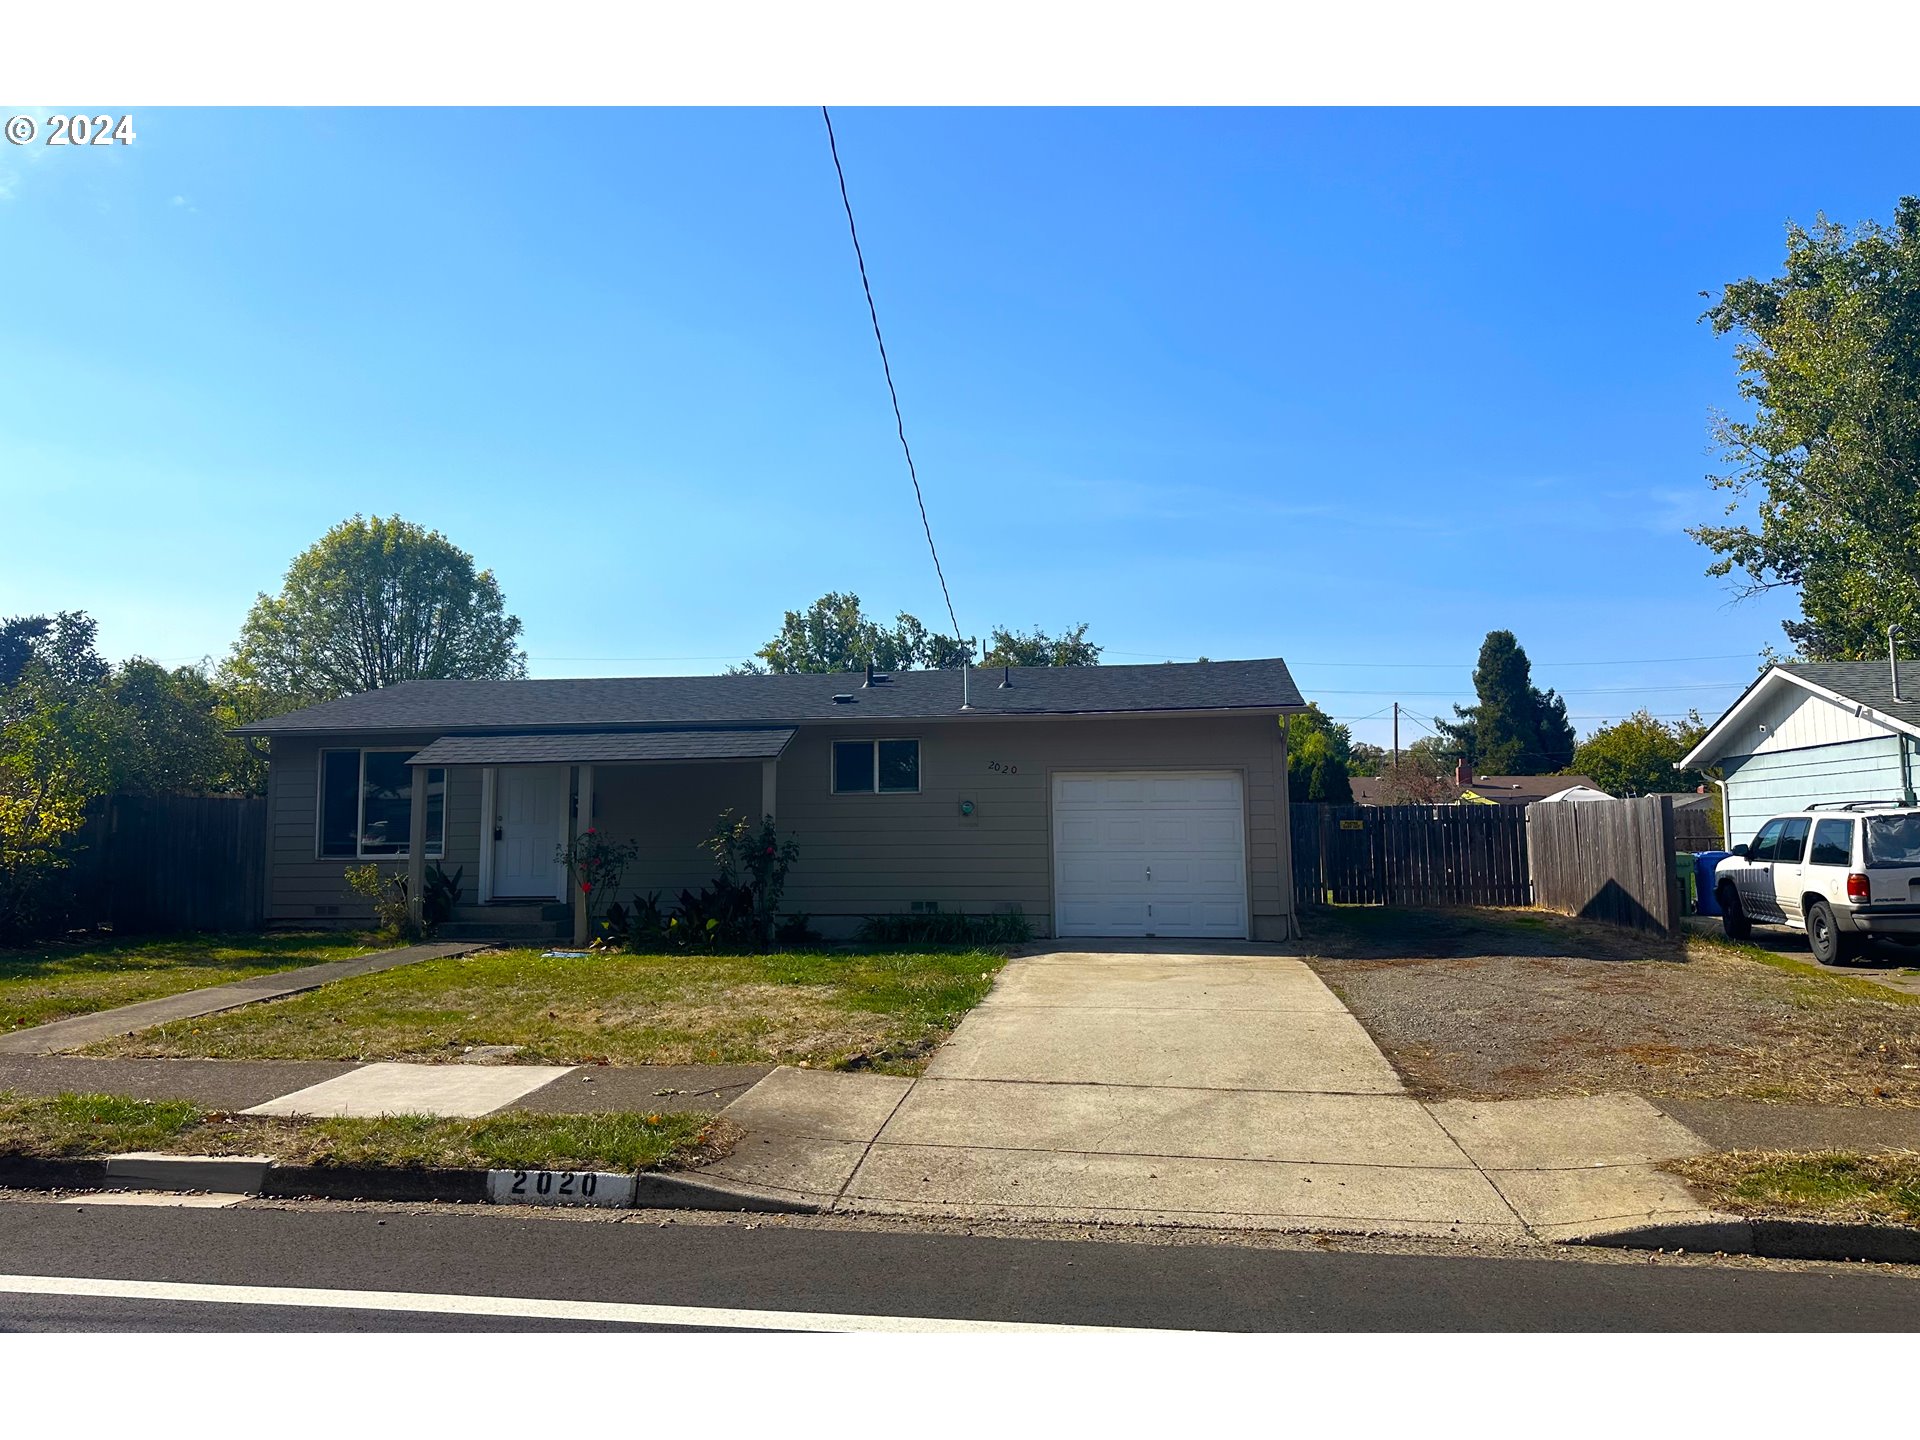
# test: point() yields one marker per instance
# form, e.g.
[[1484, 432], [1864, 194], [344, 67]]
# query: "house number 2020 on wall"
[[999, 769]]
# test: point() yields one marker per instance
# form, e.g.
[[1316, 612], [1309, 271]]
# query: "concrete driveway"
[[1229, 1089]]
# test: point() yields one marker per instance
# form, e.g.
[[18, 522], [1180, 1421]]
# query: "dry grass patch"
[[72, 1125], [44, 983], [1492, 1004], [881, 1010], [1842, 1185]]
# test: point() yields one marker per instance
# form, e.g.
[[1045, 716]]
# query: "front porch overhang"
[[613, 747], [582, 752]]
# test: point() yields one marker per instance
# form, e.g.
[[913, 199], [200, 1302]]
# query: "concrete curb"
[[251, 1175]]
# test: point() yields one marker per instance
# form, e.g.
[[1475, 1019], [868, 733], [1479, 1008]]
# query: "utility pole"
[[1396, 734]]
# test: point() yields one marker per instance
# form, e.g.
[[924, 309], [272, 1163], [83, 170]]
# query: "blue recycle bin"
[[1705, 862]]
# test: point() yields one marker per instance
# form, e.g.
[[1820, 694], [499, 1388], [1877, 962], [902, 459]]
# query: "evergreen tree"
[[1512, 728]]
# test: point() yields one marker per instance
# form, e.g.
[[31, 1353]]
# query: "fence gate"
[[1410, 855], [1607, 860]]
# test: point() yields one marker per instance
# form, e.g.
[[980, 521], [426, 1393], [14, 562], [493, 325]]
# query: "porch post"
[[417, 848], [769, 783], [582, 822]]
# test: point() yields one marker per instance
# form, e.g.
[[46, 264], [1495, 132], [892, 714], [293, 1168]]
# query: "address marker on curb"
[[560, 1187]]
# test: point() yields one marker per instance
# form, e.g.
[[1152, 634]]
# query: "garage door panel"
[[1150, 854]]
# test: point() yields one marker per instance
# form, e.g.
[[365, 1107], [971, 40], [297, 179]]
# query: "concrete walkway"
[[1214, 1090], [83, 1030]]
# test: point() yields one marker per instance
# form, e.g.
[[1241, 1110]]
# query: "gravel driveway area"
[[1493, 1004]]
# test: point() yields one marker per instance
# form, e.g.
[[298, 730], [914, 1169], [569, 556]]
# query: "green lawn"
[[70, 1125], [52, 981], [1828, 1185], [882, 1010]]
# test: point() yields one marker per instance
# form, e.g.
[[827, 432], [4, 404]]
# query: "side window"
[[1833, 843], [876, 767], [1792, 843], [1763, 843]]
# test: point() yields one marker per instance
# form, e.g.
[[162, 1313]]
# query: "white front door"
[[529, 827], [1149, 852]]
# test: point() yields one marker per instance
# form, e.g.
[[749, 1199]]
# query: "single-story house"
[[1470, 789], [1804, 733], [1124, 800]]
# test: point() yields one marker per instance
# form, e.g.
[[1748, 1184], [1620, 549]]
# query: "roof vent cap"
[[843, 700], [876, 677]]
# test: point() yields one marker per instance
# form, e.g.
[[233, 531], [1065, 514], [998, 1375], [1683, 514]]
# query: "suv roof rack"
[[1856, 804]]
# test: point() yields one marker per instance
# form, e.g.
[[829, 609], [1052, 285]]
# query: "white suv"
[[1845, 873]]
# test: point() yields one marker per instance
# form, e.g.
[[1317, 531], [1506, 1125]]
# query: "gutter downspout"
[[1726, 814], [1906, 761]]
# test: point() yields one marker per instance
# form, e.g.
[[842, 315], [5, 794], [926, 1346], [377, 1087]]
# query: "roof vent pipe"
[[1006, 677], [1893, 664]]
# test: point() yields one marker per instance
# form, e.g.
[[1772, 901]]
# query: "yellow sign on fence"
[[1353, 824]]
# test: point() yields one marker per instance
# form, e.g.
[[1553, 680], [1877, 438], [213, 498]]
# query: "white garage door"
[[1149, 852]]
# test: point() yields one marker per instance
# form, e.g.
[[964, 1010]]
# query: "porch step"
[[511, 912], [538, 931]]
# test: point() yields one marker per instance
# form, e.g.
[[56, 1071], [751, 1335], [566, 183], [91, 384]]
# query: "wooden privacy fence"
[[1606, 860], [1409, 855], [156, 863]]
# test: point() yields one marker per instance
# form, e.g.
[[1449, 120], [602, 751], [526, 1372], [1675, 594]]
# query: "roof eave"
[[1708, 750], [853, 717]]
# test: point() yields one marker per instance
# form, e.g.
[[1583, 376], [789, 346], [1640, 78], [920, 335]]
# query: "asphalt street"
[[460, 1271]]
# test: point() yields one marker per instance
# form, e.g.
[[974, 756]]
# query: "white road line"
[[518, 1308]]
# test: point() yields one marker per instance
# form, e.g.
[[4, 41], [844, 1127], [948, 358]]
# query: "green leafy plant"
[[440, 894], [386, 892], [754, 859], [389, 895], [594, 864], [1009, 927]]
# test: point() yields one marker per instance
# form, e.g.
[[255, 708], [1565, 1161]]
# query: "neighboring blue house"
[[1807, 733]]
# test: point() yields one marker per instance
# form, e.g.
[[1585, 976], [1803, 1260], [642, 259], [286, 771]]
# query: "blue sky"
[[1351, 387]]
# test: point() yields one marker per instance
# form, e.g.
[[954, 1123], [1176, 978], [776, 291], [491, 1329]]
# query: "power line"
[[887, 369]]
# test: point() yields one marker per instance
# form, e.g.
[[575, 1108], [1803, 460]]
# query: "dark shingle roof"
[[575, 748], [479, 705], [1867, 682]]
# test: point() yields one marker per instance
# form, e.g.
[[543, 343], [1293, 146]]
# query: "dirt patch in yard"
[[1492, 1004]]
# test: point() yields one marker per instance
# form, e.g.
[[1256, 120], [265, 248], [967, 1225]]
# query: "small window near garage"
[[876, 767], [1833, 843], [366, 805]]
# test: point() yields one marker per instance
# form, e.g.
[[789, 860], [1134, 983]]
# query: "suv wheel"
[[1830, 944], [1733, 920]]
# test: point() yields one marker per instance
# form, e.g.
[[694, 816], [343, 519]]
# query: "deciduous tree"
[[1823, 474], [1635, 756], [374, 603]]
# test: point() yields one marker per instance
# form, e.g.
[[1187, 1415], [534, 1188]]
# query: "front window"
[[1833, 842], [1893, 840], [1763, 843], [876, 767], [366, 805]]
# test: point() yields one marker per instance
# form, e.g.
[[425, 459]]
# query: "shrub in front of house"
[[1008, 927]]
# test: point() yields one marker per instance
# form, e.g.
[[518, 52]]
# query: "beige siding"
[[668, 810], [859, 854], [866, 854], [304, 889]]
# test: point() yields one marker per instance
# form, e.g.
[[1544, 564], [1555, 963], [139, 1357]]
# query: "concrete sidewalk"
[[1214, 1090]]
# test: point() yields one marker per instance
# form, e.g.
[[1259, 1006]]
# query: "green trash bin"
[[1684, 873]]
